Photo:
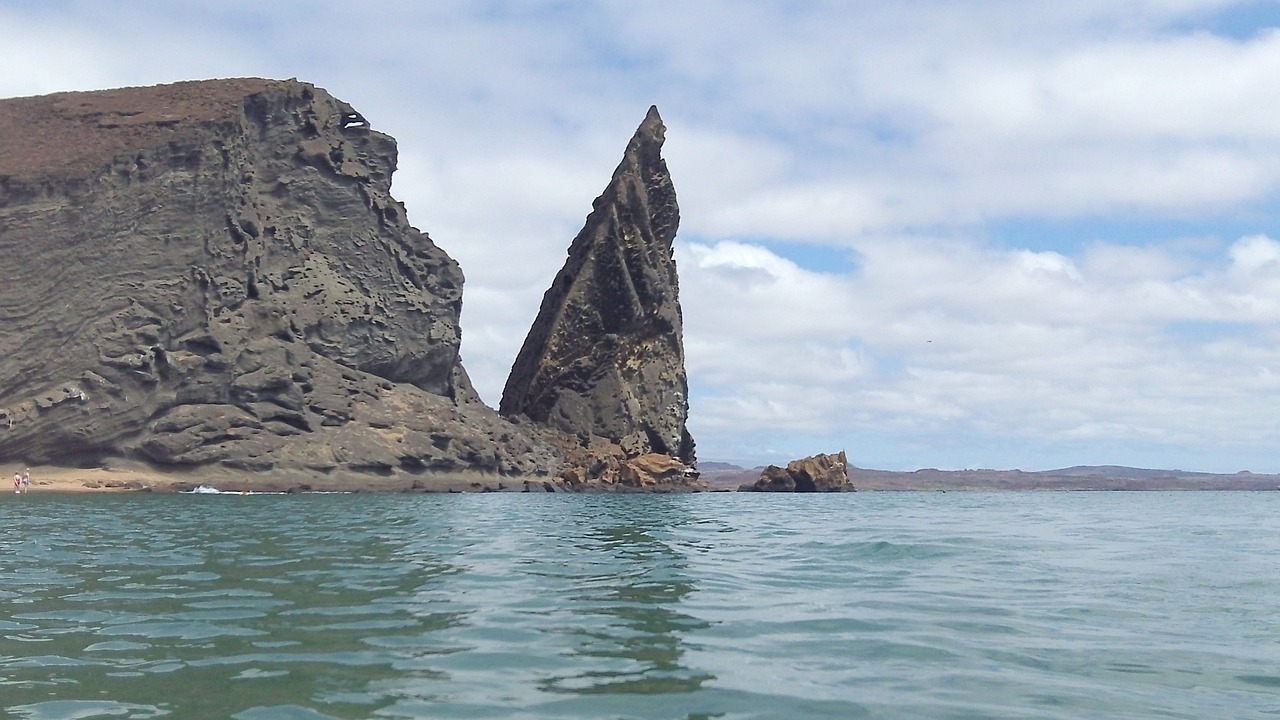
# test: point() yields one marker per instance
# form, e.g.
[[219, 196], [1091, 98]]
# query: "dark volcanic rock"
[[216, 272], [605, 357], [819, 473]]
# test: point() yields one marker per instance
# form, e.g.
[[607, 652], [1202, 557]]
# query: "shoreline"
[[126, 478]]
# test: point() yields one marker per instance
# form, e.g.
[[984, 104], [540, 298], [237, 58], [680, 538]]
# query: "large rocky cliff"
[[214, 274], [605, 356]]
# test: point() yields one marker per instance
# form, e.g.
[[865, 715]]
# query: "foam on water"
[[210, 490]]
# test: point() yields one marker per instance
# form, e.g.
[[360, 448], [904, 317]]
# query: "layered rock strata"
[[216, 272], [817, 473], [604, 359]]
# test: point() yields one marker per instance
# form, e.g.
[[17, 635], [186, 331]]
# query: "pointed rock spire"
[[605, 356]]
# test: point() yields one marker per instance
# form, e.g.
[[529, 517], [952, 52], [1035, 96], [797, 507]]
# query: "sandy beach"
[[142, 478], [74, 480]]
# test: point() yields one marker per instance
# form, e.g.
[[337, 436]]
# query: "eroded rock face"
[[818, 473], [216, 272], [605, 356]]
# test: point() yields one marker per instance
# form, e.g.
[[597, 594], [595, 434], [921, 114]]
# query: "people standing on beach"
[[17, 483], [26, 480]]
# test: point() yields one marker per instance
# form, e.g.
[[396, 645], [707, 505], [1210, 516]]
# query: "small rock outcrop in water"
[[818, 473], [216, 272], [605, 356]]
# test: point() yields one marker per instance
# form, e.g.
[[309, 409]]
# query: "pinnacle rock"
[[605, 356]]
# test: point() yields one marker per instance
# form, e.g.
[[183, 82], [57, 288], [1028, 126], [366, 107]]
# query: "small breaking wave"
[[210, 490]]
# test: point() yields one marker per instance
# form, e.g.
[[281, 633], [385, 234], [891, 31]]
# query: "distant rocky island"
[[211, 279]]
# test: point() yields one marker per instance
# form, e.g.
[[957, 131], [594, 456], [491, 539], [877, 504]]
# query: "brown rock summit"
[[605, 356], [216, 272], [72, 134]]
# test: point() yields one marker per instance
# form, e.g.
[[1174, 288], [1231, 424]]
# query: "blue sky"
[[937, 234]]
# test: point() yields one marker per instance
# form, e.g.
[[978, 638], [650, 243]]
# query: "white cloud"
[[1256, 254], [989, 110], [949, 337]]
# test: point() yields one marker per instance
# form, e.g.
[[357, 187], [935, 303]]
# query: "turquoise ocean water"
[[866, 605]]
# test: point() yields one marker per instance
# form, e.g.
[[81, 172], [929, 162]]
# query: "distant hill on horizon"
[[1079, 477]]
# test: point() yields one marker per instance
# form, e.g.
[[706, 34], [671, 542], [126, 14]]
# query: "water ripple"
[[1043, 605]]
